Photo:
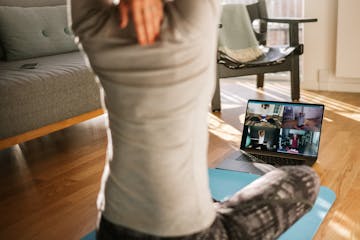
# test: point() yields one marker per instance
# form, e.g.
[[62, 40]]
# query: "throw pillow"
[[34, 32], [236, 37]]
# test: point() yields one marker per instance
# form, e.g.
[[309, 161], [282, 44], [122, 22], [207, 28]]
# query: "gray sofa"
[[42, 90]]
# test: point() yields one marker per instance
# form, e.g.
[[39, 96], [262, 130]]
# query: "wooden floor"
[[48, 186]]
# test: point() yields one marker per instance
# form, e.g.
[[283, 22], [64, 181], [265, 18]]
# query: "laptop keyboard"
[[277, 161]]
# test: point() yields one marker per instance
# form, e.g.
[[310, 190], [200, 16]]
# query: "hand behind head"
[[146, 15]]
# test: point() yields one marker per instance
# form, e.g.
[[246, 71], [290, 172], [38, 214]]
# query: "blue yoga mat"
[[90, 236], [225, 183]]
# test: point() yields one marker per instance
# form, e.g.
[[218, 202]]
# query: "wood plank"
[[8, 142]]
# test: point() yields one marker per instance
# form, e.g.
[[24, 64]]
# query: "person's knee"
[[304, 180]]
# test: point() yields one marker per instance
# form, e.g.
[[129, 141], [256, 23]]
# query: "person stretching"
[[154, 62]]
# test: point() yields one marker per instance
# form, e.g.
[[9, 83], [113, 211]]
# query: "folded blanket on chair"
[[236, 37]]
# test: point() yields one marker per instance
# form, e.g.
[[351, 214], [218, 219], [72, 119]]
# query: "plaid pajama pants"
[[262, 210]]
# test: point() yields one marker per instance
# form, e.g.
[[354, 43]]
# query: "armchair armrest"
[[293, 29], [290, 20]]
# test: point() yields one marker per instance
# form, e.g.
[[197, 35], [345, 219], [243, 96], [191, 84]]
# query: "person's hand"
[[146, 15]]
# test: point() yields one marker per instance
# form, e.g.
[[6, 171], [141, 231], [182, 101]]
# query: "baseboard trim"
[[340, 86]]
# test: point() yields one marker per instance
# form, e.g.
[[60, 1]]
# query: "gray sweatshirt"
[[155, 178]]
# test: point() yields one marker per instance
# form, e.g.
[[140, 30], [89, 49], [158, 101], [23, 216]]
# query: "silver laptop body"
[[277, 134]]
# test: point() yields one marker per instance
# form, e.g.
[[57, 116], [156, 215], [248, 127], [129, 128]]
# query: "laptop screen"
[[281, 127]]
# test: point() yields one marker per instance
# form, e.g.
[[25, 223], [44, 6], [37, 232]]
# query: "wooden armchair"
[[275, 59]]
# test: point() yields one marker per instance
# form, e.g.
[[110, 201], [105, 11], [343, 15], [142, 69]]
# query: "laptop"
[[277, 134]]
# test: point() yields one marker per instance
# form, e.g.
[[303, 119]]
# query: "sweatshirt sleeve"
[[99, 19], [87, 18], [196, 13]]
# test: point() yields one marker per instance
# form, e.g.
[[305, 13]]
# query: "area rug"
[[225, 183]]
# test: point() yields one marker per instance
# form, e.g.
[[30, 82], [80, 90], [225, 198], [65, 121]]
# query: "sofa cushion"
[[34, 32], [52, 89]]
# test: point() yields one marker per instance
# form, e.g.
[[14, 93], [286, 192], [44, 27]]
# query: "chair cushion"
[[271, 55], [57, 88], [34, 32]]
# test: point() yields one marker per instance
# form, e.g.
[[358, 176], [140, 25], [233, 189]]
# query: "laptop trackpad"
[[239, 161]]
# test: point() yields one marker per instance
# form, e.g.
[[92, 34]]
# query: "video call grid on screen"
[[283, 127]]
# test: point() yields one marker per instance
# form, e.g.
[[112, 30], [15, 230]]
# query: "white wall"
[[320, 41], [348, 51]]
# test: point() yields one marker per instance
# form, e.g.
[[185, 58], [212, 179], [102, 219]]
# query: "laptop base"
[[243, 162]]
